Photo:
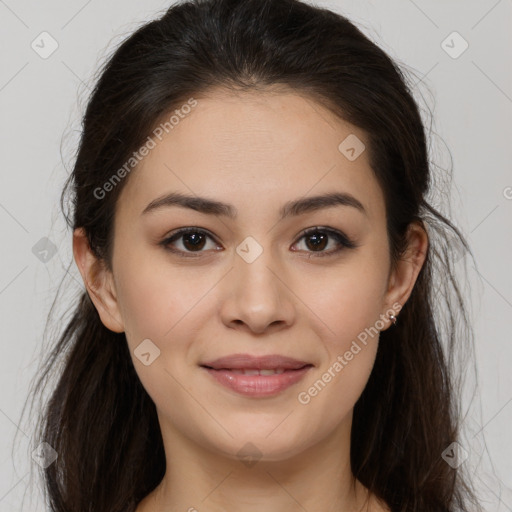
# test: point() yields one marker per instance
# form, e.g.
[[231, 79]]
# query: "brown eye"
[[191, 239], [317, 239]]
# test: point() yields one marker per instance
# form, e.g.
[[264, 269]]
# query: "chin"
[[262, 446]]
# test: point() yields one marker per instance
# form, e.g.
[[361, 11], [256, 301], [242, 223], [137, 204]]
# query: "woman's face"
[[251, 282]]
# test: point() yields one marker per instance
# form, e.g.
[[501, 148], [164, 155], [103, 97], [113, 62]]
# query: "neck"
[[316, 478]]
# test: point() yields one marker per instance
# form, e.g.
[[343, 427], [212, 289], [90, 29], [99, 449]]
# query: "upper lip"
[[246, 361]]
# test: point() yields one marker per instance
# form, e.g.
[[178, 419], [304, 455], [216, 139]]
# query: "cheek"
[[327, 400], [155, 298], [350, 346], [348, 301], [347, 311], [159, 308]]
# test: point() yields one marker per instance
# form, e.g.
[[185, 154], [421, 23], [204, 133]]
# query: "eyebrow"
[[291, 208]]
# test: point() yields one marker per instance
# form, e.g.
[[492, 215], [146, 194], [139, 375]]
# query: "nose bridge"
[[252, 271], [256, 296]]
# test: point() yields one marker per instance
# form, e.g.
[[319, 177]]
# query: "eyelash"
[[343, 240]]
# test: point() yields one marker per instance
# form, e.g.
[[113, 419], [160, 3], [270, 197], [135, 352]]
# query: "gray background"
[[42, 99]]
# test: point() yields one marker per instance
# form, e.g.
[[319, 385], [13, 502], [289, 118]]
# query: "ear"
[[98, 281], [403, 278]]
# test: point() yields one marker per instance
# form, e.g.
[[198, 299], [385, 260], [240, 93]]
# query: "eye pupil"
[[196, 240], [320, 242]]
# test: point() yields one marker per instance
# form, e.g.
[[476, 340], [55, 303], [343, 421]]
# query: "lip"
[[257, 385], [247, 361]]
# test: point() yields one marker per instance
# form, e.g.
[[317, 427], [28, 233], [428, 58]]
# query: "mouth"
[[257, 376], [249, 362], [256, 371]]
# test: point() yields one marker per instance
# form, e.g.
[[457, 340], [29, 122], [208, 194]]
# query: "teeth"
[[269, 372], [257, 372]]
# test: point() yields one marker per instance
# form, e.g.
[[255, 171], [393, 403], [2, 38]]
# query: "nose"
[[257, 297]]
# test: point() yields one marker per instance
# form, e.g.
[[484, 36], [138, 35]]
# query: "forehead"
[[255, 148]]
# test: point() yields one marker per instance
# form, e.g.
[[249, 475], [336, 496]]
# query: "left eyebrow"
[[291, 208]]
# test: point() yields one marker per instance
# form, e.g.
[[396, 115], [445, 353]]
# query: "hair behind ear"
[[121, 424]]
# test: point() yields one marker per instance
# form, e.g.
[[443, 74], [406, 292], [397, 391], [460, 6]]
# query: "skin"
[[255, 151]]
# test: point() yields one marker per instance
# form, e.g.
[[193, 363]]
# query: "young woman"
[[258, 330]]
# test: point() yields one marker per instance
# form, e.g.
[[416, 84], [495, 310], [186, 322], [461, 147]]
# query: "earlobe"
[[98, 282], [404, 276]]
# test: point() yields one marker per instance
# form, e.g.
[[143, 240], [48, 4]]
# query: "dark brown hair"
[[99, 418]]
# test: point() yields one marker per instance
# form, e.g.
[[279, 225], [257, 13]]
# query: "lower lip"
[[258, 385]]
